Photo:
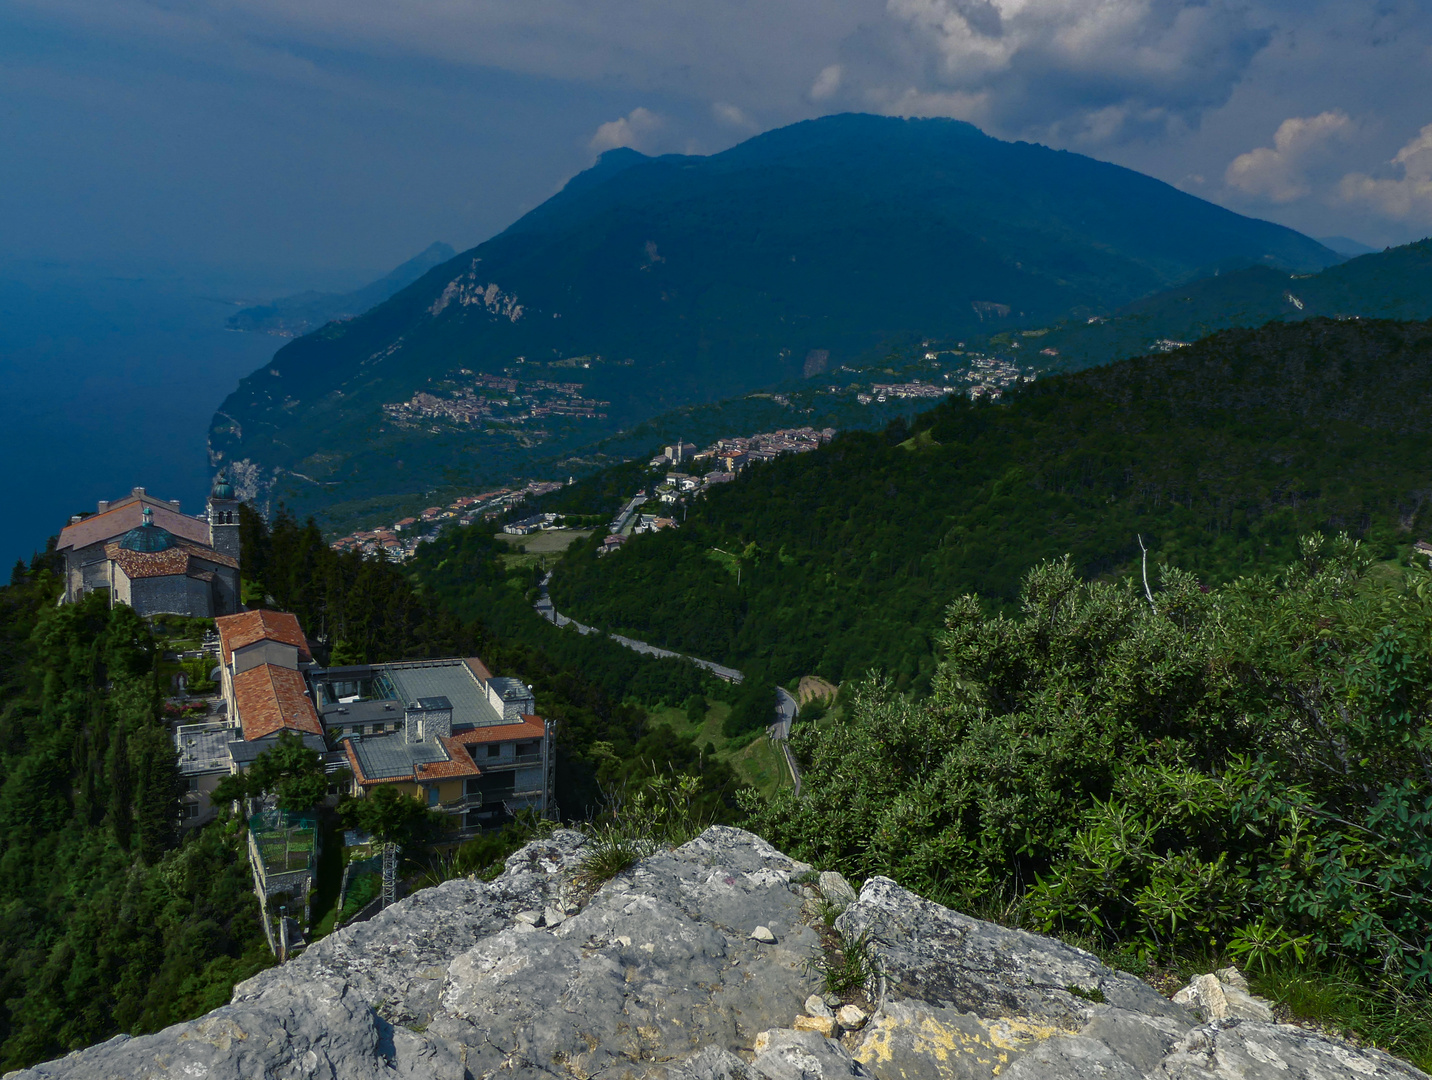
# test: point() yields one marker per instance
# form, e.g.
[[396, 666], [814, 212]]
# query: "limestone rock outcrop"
[[657, 975]]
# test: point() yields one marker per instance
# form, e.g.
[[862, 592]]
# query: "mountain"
[[1344, 245], [651, 283], [1391, 284], [1217, 457], [292, 316]]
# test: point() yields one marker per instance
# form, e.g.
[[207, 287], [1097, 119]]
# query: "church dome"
[[147, 537], [222, 488]]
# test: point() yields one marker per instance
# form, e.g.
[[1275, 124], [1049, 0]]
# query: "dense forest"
[[107, 922], [1216, 457]]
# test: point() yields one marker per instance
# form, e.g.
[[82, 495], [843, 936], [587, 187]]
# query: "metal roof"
[[244, 752], [383, 757], [507, 688], [362, 712], [203, 748], [451, 679]]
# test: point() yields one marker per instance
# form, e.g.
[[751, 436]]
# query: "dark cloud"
[[356, 131]]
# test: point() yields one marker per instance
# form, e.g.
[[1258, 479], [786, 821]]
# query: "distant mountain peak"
[[293, 316], [650, 283]]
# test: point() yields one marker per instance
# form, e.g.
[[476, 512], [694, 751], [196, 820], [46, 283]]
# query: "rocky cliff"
[[703, 963]]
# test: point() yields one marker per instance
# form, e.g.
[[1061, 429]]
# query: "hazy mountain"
[[1391, 284], [1344, 245], [648, 283], [295, 315]]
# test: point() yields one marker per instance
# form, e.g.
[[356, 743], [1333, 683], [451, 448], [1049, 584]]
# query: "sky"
[[345, 135]]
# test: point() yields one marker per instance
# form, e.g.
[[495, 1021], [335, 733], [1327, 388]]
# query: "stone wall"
[[173, 594], [702, 964]]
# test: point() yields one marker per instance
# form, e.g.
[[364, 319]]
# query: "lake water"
[[109, 379]]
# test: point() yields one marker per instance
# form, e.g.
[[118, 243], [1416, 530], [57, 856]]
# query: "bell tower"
[[224, 518]]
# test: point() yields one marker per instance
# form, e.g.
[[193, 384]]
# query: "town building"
[[445, 731], [153, 557], [262, 655]]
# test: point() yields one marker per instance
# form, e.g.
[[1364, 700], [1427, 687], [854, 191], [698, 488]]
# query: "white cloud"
[[1280, 172], [826, 83], [732, 116], [634, 130], [1407, 198]]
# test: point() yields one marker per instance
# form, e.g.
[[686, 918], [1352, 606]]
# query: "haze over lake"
[[110, 377]]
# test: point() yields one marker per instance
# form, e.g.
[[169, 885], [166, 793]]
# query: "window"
[[494, 749], [432, 795], [188, 810], [525, 749]]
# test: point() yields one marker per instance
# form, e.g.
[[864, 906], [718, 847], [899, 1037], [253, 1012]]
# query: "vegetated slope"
[[290, 316], [1219, 455], [1391, 284], [1240, 772], [109, 923], [651, 283]]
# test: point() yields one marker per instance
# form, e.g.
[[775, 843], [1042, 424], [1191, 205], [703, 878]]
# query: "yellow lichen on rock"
[[905, 1040]]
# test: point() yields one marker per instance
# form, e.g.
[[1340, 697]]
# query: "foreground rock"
[[659, 975]]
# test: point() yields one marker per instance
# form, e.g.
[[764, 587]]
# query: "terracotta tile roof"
[[237, 631], [148, 564], [270, 698], [531, 727], [459, 763], [208, 554], [128, 514], [175, 560]]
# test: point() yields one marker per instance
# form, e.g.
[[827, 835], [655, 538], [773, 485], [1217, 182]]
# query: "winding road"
[[548, 611], [786, 705]]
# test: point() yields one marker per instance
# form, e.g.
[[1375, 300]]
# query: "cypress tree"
[[121, 789], [156, 789]]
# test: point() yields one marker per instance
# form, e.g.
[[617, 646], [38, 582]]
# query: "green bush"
[[1245, 771]]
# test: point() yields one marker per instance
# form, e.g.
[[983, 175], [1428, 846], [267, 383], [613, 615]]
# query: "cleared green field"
[[545, 542], [756, 760]]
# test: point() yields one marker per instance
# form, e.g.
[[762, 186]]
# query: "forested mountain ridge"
[[1391, 284], [651, 283], [1218, 455]]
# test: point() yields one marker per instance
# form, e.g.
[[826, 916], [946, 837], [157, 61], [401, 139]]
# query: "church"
[[153, 557]]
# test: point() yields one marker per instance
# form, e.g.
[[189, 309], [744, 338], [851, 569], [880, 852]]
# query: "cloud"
[[732, 116], [634, 130], [826, 83], [1280, 172], [1081, 70], [1407, 198]]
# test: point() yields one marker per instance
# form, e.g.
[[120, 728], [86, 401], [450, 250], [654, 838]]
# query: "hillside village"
[[467, 399], [691, 472], [399, 540]]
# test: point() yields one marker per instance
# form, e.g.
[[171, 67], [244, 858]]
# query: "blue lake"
[[109, 380]]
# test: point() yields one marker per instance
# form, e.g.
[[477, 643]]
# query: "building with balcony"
[[445, 731]]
